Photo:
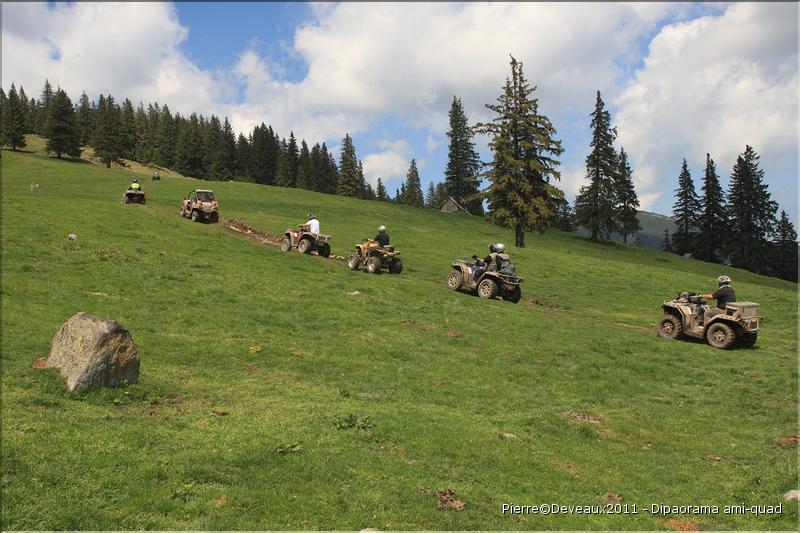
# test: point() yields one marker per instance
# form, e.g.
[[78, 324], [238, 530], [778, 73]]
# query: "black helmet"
[[491, 247]]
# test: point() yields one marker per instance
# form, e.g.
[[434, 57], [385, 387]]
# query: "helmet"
[[491, 247], [135, 180], [723, 280], [311, 215], [381, 229], [499, 247]]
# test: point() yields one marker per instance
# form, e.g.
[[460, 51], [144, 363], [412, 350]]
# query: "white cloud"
[[712, 85], [391, 165], [126, 49]]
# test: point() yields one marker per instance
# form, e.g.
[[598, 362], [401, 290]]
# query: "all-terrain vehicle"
[[199, 205], [134, 196], [489, 283], [156, 176], [375, 257], [306, 242], [683, 316]]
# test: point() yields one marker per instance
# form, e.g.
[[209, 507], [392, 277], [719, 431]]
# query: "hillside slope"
[[218, 436]]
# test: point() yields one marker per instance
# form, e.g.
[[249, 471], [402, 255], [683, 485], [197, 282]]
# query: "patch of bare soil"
[[453, 333], [264, 236], [610, 497], [446, 500], [40, 363], [679, 525], [788, 442], [583, 417]]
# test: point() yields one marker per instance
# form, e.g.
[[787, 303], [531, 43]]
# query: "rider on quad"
[[723, 295], [134, 186], [313, 224], [382, 238]]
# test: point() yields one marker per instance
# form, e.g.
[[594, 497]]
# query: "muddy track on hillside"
[[264, 237]]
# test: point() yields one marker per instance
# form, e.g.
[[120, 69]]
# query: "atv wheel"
[[487, 288], [286, 245], [454, 280], [324, 250], [514, 295], [353, 261], [124, 199], [396, 266], [669, 327], [144, 201], [720, 336], [304, 247], [195, 216], [214, 217], [374, 265], [749, 339], [183, 213]]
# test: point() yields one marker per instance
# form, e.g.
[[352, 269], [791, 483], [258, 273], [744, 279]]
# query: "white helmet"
[[381, 229], [499, 247], [723, 280]]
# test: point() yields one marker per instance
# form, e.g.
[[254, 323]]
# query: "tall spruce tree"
[[524, 160], [714, 219], [63, 136], [242, 157], [666, 244], [752, 214], [413, 187], [626, 202], [350, 183], [784, 256], [127, 135], [380, 192], [227, 151], [45, 100], [3, 103], [305, 173], [13, 121], [430, 196], [106, 136], [595, 204], [686, 213], [463, 163], [83, 119], [26, 115]]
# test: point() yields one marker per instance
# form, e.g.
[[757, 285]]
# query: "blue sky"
[[681, 79]]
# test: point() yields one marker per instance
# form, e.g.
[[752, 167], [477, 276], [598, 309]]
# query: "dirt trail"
[[265, 237]]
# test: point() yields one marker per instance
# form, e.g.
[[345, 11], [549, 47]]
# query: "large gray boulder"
[[94, 351]]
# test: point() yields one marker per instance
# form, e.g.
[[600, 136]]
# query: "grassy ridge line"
[[196, 298]]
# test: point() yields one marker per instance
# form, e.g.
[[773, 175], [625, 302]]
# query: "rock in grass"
[[508, 436], [792, 496], [90, 351]]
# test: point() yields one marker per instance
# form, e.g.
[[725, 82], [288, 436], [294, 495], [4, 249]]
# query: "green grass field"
[[215, 437]]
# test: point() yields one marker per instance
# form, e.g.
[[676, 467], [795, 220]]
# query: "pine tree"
[[350, 183], [380, 192], [565, 216], [83, 119], [127, 136], [305, 174], [24, 107], [714, 219], [666, 244], [524, 159], [142, 152], [242, 158], [686, 212], [189, 147], [3, 103], [167, 138], [784, 257], [212, 153], [282, 178], [752, 214], [369, 193], [106, 138], [43, 109], [625, 200], [595, 203], [463, 163], [430, 196], [61, 130], [13, 121], [413, 187]]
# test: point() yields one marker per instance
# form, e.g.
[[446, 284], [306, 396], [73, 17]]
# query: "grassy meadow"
[[271, 397]]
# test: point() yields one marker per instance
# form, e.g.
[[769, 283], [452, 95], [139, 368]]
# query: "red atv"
[[306, 242]]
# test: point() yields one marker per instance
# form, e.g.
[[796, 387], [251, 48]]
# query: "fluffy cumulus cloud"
[[390, 164], [713, 85], [126, 49]]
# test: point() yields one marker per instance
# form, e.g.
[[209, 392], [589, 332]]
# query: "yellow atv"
[[375, 257]]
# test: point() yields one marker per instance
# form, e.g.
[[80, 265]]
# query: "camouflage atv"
[[134, 196], [375, 258], [738, 325], [306, 242], [199, 205], [489, 283]]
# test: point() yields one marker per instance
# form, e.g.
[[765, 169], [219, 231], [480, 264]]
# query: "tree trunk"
[[108, 163], [624, 238], [594, 234], [519, 236]]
